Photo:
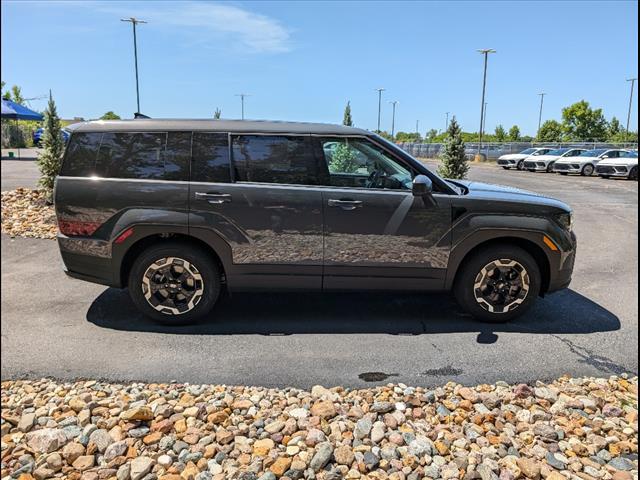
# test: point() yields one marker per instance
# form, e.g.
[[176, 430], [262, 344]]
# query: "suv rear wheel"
[[587, 170], [174, 283], [520, 165], [498, 283]]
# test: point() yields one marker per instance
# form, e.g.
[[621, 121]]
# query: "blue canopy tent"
[[15, 111]]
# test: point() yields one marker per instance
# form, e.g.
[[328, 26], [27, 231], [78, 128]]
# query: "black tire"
[[587, 170], [472, 268], [520, 165], [506, 168], [205, 266], [550, 167], [633, 174], [532, 171], [606, 177], [563, 173]]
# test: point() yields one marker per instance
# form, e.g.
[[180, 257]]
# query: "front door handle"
[[214, 198], [344, 204]]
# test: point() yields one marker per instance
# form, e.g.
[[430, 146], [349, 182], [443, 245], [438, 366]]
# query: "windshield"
[[632, 154], [558, 152], [593, 153], [528, 151]]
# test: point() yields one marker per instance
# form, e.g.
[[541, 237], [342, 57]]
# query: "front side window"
[[355, 162], [80, 157], [274, 159], [211, 157], [132, 155]]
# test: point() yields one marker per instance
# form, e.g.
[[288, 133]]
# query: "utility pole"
[[417, 129], [633, 82], [485, 52], [134, 22], [446, 125], [393, 119], [379, 90], [242, 95], [542, 94]]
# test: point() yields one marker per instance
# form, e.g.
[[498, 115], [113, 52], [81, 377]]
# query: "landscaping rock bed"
[[26, 213], [574, 428]]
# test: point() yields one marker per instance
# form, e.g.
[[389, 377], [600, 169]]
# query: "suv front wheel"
[[498, 283], [174, 283]]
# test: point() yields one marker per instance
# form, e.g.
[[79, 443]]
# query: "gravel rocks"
[[573, 428], [25, 213]]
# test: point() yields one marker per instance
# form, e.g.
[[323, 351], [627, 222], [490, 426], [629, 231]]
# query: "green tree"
[[431, 135], [500, 133], [550, 131], [14, 94], [346, 119], [385, 135], [50, 159], [514, 133], [615, 128], [412, 137], [110, 116], [582, 123], [343, 159], [217, 114], [454, 161]]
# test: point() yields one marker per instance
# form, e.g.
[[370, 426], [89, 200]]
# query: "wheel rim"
[[520, 165], [172, 285], [501, 286], [588, 170]]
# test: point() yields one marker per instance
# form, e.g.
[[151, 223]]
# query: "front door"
[[377, 235], [265, 211]]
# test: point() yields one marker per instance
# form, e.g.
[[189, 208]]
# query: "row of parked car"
[[605, 162]]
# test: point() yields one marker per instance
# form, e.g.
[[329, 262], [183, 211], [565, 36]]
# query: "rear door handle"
[[345, 204], [214, 198]]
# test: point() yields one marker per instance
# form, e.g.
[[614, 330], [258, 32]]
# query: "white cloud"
[[209, 22]]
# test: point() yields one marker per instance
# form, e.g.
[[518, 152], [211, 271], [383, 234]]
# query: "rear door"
[[257, 192], [377, 234]]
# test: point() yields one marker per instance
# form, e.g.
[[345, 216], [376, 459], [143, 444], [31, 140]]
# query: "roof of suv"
[[250, 126]]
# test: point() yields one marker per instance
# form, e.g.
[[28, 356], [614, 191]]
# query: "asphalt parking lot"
[[55, 326]]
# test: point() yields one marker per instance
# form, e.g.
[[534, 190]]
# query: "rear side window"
[[80, 157], [132, 155], [211, 157], [177, 156], [274, 159]]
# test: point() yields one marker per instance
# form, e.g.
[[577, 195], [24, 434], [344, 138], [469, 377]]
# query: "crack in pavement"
[[600, 362]]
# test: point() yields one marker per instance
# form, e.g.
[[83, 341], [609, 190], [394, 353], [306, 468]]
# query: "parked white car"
[[516, 160], [585, 164], [626, 166], [544, 163]]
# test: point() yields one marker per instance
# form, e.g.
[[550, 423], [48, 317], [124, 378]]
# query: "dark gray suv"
[[178, 210]]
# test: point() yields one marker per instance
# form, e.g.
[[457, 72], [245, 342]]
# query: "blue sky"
[[304, 60]]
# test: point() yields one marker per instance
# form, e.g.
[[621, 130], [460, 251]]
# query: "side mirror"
[[421, 186]]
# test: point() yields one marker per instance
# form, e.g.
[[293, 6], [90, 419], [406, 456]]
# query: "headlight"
[[566, 220]]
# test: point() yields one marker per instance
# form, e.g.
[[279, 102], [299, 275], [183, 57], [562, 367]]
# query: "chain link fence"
[[492, 151]]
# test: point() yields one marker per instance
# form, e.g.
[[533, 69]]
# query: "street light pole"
[[417, 129], [542, 94], [485, 52], [484, 120], [633, 82], [379, 90], [446, 126], [134, 22], [393, 119], [242, 95]]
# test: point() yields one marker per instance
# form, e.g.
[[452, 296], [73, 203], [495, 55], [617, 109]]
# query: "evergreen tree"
[[454, 161], [50, 160], [347, 120], [217, 114]]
